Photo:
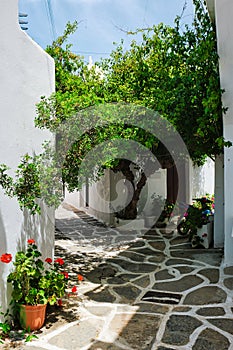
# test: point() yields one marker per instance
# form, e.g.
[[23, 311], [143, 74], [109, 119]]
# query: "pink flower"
[[49, 260]]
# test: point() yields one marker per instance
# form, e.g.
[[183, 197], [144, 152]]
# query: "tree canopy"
[[175, 71], [172, 70]]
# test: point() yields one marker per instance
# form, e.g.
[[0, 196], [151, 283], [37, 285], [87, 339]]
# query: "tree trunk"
[[130, 211]]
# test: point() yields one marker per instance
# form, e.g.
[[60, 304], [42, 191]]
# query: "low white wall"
[[27, 73], [96, 199], [110, 194], [156, 186], [203, 179]]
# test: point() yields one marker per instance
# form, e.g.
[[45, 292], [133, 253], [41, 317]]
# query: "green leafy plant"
[[35, 281], [170, 209], [36, 178], [173, 70], [5, 327], [8, 331], [197, 215]]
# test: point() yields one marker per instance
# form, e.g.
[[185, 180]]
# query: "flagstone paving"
[[141, 290]]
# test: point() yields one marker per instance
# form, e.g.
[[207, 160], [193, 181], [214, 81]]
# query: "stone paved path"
[[142, 290]]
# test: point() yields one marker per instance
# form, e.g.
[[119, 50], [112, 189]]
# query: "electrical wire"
[[50, 16], [91, 52]]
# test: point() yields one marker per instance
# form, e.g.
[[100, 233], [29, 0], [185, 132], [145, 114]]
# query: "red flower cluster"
[[59, 261], [59, 302], [6, 258], [74, 289], [66, 275]]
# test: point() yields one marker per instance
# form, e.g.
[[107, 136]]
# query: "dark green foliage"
[[172, 70]]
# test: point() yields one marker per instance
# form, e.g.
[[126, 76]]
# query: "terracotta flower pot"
[[32, 316]]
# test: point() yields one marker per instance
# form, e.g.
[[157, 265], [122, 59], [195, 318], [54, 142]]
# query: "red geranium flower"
[[49, 260], [6, 258], [59, 302], [74, 289], [60, 261], [31, 241], [80, 277], [66, 275]]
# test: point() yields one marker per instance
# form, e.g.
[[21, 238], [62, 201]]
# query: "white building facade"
[[26, 74], [221, 12]]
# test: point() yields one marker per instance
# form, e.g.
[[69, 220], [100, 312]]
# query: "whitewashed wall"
[[112, 188], [223, 17], [26, 73], [111, 192], [203, 179]]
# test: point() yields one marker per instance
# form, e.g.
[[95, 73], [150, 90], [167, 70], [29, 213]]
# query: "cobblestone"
[[119, 268]]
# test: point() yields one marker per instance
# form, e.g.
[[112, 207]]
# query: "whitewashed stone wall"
[[223, 15], [26, 73], [203, 179], [221, 12]]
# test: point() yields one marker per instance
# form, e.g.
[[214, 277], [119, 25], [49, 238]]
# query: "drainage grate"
[[162, 297]]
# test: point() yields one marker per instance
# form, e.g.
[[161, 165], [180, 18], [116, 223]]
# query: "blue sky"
[[99, 20]]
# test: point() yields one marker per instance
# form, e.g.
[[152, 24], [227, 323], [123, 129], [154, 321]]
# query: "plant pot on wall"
[[32, 316]]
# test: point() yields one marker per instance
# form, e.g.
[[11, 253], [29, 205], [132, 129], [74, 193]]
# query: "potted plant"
[[166, 214], [198, 221], [35, 283]]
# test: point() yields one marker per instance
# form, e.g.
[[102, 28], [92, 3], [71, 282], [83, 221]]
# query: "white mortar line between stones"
[[161, 330], [205, 323], [219, 330], [191, 312], [175, 347], [195, 334]]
